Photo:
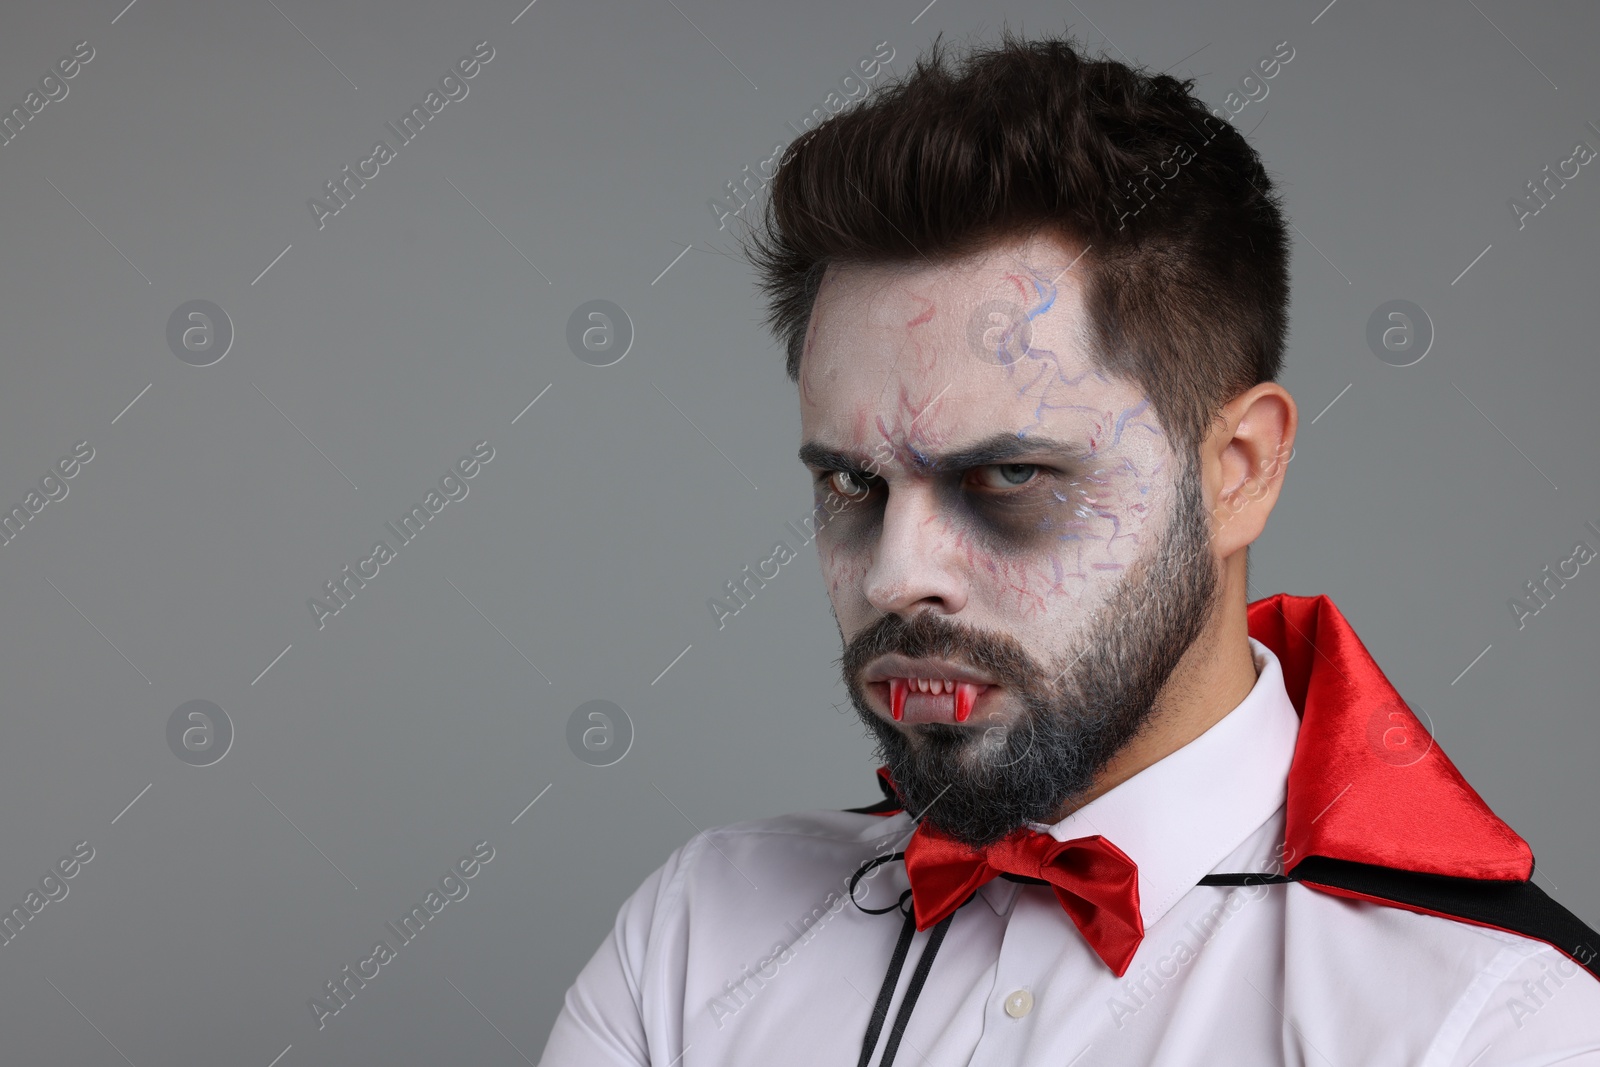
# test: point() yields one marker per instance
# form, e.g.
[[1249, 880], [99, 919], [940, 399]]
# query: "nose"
[[915, 562]]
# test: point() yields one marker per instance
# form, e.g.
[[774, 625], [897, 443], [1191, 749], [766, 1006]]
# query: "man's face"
[[1026, 554]]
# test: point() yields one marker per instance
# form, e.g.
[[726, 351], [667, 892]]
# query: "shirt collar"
[[1185, 813]]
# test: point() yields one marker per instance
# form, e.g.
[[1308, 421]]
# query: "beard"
[[979, 784]]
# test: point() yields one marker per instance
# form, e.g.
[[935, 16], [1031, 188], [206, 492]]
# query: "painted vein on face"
[[1097, 518], [1071, 552], [1120, 502], [925, 356], [846, 571], [1039, 296], [1041, 371], [1117, 496], [1120, 487], [1082, 537]]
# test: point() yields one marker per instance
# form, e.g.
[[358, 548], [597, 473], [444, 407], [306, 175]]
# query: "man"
[[1035, 306]]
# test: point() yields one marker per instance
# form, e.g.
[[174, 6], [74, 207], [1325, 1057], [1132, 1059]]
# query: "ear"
[[1243, 463]]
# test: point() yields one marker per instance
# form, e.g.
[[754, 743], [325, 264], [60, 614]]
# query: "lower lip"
[[932, 707]]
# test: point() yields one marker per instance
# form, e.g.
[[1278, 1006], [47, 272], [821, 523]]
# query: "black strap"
[[1518, 907], [891, 978], [914, 989], [1244, 879], [897, 962], [863, 869]]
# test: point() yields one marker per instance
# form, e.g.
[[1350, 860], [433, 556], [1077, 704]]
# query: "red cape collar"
[[1367, 782]]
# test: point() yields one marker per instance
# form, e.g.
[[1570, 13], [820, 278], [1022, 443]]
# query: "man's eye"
[[848, 483], [1006, 475]]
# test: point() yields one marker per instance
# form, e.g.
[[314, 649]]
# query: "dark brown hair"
[[1186, 278]]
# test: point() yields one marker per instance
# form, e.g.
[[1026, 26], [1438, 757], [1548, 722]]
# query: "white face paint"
[[904, 366]]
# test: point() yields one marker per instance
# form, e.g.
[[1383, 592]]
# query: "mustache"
[[931, 635]]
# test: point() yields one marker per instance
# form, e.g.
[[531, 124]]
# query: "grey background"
[[372, 355]]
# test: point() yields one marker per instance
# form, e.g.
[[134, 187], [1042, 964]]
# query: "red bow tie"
[[1095, 881]]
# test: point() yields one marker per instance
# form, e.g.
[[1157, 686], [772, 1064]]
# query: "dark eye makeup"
[[1015, 505]]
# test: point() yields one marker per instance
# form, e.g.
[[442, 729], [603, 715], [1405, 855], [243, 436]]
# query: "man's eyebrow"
[[994, 449], [822, 457]]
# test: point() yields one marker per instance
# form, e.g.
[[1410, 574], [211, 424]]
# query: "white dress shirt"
[[744, 948]]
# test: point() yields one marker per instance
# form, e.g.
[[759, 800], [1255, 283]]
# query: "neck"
[[1214, 676]]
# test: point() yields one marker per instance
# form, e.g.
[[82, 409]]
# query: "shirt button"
[[1019, 1003]]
